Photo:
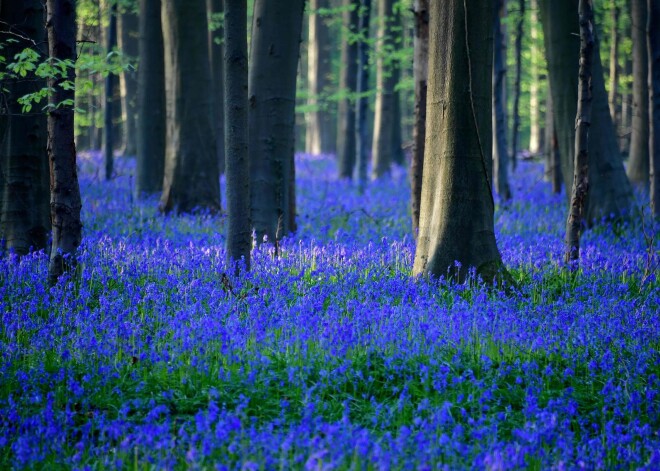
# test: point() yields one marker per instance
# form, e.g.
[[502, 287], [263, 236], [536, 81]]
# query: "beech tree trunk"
[[515, 130], [276, 31], [536, 137], [456, 228], [65, 203], [108, 111], [362, 106], [151, 101], [613, 96], [500, 151], [552, 157], [348, 84], [580, 188], [421, 72], [24, 211], [192, 178], [217, 60], [128, 30], [653, 33]]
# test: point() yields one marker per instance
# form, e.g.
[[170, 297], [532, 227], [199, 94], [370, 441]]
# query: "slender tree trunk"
[[638, 161], [515, 131], [24, 211], [362, 106], [348, 84], [127, 26], [276, 31], [653, 33], [65, 203], [421, 72], [239, 228], [536, 143], [580, 188], [613, 95], [110, 79], [626, 112], [151, 101], [456, 230], [216, 59], [192, 178], [500, 152], [552, 157]]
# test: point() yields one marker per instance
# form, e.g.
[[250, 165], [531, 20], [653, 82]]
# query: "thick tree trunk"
[[276, 31], [362, 105], [421, 71], [456, 230], [610, 191], [214, 8], [653, 33], [613, 94], [239, 228], [515, 130], [108, 111], [348, 84], [192, 178], [638, 160], [65, 203], [500, 151], [536, 142], [24, 211], [580, 188], [128, 29], [151, 101]]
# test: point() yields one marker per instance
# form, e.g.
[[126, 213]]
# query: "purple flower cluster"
[[330, 356]]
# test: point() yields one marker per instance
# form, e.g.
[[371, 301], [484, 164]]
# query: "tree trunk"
[[65, 203], [348, 85], [151, 101], [516, 85], [638, 160], [552, 157], [613, 96], [214, 8], [192, 178], [383, 149], [421, 72], [653, 32], [110, 79], [580, 188], [276, 31], [536, 143], [24, 212], [456, 228], [500, 152], [362, 105], [239, 228], [128, 43], [626, 111], [610, 191]]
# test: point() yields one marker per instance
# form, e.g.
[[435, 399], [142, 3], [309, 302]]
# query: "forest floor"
[[331, 356]]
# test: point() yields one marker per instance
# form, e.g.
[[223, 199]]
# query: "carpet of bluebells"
[[331, 355]]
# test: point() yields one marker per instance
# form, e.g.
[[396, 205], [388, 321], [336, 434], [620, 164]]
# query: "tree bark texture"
[[65, 203], [348, 85], [515, 130], [275, 46], [456, 228], [653, 30], [613, 94], [610, 194], [110, 80], [24, 211], [536, 136], [421, 73], [216, 59], [192, 179], [500, 151], [239, 227], [638, 160], [151, 101], [362, 105], [580, 188], [128, 33]]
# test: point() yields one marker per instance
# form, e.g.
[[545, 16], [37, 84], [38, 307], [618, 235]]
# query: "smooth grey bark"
[[613, 94], [638, 160], [24, 211], [127, 37], [551, 149], [456, 228], [108, 94], [580, 188], [347, 84], [239, 227], [216, 59], [515, 129], [500, 151], [150, 101], [653, 34], [421, 73], [536, 135], [275, 46], [610, 193], [362, 105], [192, 178], [65, 202]]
